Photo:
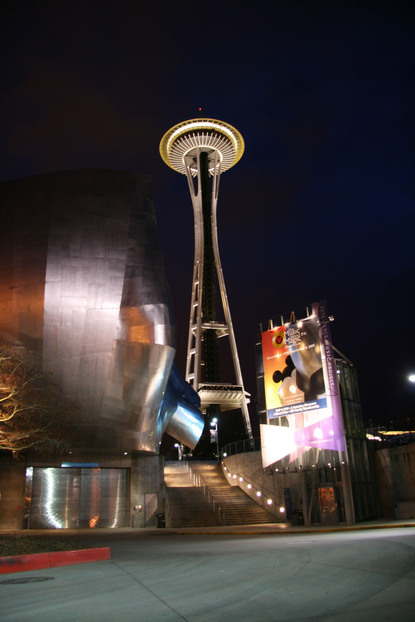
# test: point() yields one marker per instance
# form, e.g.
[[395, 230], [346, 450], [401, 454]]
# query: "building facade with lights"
[[83, 290], [313, 463]]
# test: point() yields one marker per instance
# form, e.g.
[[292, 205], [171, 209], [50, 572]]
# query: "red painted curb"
[[38, 561], [19, 563]]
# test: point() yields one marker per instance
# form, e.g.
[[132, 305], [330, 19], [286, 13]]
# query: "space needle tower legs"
[[202, 149]]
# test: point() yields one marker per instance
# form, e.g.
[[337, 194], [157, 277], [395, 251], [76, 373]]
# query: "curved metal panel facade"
[[83, 285]]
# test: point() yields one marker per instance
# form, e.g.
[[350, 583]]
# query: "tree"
[[32, 410]]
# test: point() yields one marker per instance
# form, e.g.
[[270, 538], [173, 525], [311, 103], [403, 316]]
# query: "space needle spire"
[[202, 149]]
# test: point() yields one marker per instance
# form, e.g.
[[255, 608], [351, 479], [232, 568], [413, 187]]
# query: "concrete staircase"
[[193, 506], [188, 505]]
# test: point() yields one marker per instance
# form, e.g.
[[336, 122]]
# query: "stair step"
[[189, 505]]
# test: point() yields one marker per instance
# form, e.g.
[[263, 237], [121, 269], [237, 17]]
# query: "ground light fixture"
[[411, 377], [249, 486], [214, 426]]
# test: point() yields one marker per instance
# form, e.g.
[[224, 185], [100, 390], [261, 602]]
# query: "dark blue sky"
[[321, 204]]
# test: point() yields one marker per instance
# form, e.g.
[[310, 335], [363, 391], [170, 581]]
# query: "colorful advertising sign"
[[301, 384]]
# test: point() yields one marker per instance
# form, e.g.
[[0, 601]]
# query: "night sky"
[[321, 204]]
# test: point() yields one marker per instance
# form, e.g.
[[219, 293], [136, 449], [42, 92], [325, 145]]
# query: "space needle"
[[202, 149]]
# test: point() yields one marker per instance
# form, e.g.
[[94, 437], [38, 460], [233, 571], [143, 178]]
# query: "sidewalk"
[[361, 572], [95, 542], [282, 528], [268, 528]]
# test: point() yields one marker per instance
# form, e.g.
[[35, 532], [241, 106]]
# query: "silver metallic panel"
[[79, 498], [83, 285], [186, 425]]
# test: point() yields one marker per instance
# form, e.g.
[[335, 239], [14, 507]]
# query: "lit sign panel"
[[301, 385]]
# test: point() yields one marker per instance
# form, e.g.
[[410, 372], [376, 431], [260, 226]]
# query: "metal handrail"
[[241, 447], [198, 478]]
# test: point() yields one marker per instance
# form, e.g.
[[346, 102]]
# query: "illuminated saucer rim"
[[210, 142], [203, 129]]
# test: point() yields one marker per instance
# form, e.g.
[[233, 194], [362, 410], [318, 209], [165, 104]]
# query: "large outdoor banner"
[[301, 385]]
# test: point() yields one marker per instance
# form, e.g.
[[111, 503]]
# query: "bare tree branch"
[[33, 413]]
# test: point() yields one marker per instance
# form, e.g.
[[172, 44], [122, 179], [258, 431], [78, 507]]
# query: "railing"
[[158, 494], [200, 482], [241, 447]]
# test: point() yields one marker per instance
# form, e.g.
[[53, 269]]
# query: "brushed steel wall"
[[79, 498], [82, 284]]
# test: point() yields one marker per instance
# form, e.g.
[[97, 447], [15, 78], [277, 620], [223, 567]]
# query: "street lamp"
[[411, 378], [214, 435], [179, 451]]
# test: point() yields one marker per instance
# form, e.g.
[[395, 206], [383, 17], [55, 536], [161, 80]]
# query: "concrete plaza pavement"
[[268, 573]]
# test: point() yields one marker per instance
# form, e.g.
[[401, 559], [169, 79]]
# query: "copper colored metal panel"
[[83, 285]]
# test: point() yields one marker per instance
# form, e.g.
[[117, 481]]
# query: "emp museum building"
[[83, 289]]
